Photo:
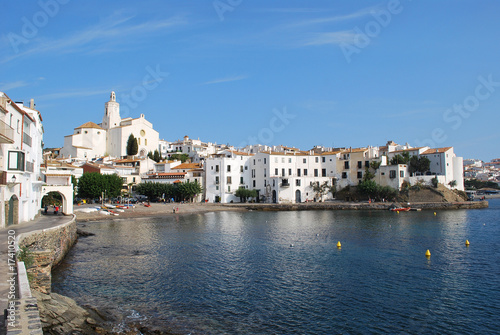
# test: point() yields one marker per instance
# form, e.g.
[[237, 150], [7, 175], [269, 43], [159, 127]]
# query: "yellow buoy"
[[435, 213], [398, 212], [339, 245], [427, 253], [467, 243]]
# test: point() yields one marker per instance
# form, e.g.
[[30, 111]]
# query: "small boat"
[[401, 209], [147, 205]]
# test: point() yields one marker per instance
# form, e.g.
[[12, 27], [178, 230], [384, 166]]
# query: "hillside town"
[[276, 174]]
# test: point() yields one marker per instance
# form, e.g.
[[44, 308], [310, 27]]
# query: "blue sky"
[[298, 73]]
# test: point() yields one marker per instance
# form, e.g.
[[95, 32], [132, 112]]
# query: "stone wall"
[[48, 247]]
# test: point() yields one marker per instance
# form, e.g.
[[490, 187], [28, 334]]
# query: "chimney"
[[32, 103]]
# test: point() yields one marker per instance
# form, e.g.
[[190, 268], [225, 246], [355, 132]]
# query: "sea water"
[[282, 272]]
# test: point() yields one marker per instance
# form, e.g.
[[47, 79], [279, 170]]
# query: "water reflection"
[[281, 272]]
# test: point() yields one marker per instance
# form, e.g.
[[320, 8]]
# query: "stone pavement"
[[41, 222]]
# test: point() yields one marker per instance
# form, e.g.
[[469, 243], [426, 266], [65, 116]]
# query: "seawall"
[[47, 248], [359, 206]]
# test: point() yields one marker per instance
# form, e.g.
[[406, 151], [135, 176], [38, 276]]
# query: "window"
[[360, 164], [241, 180], [265, 160], [216, 188], [217, 180], [316, 159], [289, 172], [254, 162], [402, 174], [229, 168], [253, 183], [316, 172], [276, 159], [346, 165], [16, 160], [85, 132], [229, 180], [297, 182], [367, 164], [305, 172], [265, 173], [265, 184], [229, 188], [392, 174], [138, 141], [217, 168], [323, 159], [323, 172], [275, 172], [289, 160], [360, 174], [282, 172], [133, 179], [246, 167], [344, 175], [298, 172], [304, 160], [146, 142], [241, 168], [282, 160]]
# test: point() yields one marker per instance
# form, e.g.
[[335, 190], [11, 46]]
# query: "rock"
[[82, 233], [61, 315]]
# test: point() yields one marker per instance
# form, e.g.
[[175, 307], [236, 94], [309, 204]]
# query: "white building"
[[92, 140], [21, 135]]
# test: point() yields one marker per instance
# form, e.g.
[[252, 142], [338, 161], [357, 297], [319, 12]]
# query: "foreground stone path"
[[42, 222]]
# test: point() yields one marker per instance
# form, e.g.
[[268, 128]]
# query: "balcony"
[[285, 183], [6, 133], [27, 139]]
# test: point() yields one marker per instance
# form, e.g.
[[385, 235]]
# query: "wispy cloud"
[[336, 37], [10, 86], [73, 94], [114, 30], [224, 80], [336, 18]]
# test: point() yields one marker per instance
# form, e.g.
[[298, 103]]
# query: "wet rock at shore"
[[82, 233], [61, 315]]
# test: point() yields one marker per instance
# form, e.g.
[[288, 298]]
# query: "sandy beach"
[[156, 209]]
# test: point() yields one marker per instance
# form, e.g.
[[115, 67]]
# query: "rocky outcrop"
[[61, 315]]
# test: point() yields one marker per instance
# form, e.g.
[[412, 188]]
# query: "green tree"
[[244, 194], [452, 183], [90, 185], [368, 175], [400, 159], [375, 165], [113, 185], [179, 157], [156, 156], [132, 146], [321, 189], [150, 155], [189, 190]]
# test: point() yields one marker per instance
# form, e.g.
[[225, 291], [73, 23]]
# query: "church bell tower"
[[111, 117]]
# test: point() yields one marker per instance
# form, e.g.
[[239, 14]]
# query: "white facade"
[[21, 135], [110, 137]]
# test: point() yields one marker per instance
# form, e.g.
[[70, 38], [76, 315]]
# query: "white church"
[[109, 138]]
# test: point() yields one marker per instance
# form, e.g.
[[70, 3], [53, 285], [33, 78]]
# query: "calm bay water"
[[281, 272]]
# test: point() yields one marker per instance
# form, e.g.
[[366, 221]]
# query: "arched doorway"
[[51, 199], [12, 210], [297, 196], [274, 196]]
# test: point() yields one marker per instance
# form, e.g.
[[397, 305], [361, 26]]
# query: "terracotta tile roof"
[[404, 150], [241, 153], [187, 166], [166, 174], [436, 151], [90, 125]]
